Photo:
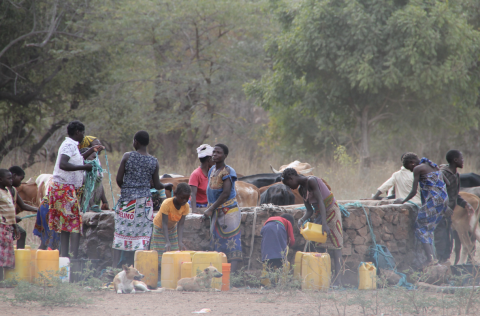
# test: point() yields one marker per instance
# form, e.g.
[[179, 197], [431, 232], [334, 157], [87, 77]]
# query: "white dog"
[[124, 282]]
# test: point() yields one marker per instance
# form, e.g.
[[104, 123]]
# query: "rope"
[[344, 211], [28, 216], [378, 249], [109, 178], [91, 179], [253, 236]]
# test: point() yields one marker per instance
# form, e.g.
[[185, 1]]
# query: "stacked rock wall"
[[391, 224]]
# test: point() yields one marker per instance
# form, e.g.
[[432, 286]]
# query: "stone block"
[[400, 233], [396, 219], [244, 217], [359, 240], [363, 231], [392, 246], [350, 222], [387, 229], [361, 249], [387, 237], [375, 220], [388, 217], [351, 233], [378, 211], [347, 251]]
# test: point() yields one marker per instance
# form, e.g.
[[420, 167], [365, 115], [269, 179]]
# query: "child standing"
[[168, 223], [277, 233], [7, 223]]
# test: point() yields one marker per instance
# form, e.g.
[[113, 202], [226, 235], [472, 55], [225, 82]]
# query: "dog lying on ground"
[[201, 282], [124, 281]]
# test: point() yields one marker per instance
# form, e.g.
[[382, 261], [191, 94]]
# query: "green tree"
[[353, 64], [47, 71], [178, 66]]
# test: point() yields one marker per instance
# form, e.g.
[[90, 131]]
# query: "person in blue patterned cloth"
[[434, 199], [134, 211], [222, 204]]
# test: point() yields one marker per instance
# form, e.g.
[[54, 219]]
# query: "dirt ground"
[[177, 303]]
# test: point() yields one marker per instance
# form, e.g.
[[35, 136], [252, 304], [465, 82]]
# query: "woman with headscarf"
[[198, 179], [223, 208]]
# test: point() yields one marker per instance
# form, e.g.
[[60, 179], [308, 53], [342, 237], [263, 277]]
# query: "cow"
[[278, 194], [301, 167], [247, 195], [466, 226], [29, 193], [298, 198], [44, 182], [469, 180], [261, 180], [472, 190], [171, 175]]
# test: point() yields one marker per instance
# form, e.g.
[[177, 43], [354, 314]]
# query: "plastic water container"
[[64, 268], [46, 264], [367, 276], [186, 270], [33, 255], [313, 232], [226, 267], [316, 271], [171, 267], [21, 272], [204, 259], [297, 269], [146, 262]]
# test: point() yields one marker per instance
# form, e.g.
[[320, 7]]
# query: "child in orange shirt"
[[168, 223]]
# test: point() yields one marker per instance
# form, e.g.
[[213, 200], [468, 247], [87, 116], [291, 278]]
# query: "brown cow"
[[29, 194], [247, 194], [466, 224]]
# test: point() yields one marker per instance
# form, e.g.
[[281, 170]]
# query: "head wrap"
[[86, 142], [204, 150]]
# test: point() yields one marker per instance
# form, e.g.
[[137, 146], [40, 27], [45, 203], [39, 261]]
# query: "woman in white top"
[[65, 215]]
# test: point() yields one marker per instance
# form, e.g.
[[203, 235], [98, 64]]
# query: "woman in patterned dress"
[[134, 211], [222, 204], [323, 209], [64, 214], [434, 199]]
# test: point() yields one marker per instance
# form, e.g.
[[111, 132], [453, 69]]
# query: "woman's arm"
[[416, 177], [312, 186], [168, 246], [180, 233], [67, 166], [121, 169], [193, 197], [227, 187], [156, 180], [97, 148]]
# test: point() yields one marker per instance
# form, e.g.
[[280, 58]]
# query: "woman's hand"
[[300, 223], [168, 186], [88, 167], [182, 246], [168, 246], [98, 148], [325, 229], [398, 201]]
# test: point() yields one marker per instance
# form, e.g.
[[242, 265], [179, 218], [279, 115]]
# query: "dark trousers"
[[443, 239]]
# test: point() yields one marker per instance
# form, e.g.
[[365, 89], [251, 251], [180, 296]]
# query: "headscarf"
[[204, 150], [86, 142]]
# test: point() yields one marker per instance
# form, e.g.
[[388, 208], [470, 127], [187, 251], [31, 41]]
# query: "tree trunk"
[[365, 139]]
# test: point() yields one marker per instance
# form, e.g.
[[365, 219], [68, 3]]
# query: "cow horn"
[[306, 171], [274, 170]]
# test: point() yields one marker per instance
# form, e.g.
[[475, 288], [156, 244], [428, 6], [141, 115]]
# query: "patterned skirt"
[[64, 208], [334, 222], [159, 241], [7, 254], [429, 215], [226, 235], [133, 224], [49, 238]]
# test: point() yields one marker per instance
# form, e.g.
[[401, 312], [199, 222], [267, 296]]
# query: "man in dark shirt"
[[443, 232]]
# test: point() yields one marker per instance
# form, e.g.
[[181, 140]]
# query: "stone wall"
[[392, 226]]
